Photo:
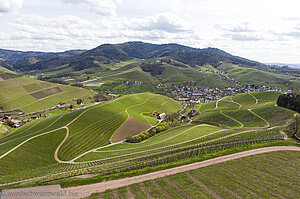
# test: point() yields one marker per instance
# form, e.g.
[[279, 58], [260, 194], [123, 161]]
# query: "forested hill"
[[109, 53]]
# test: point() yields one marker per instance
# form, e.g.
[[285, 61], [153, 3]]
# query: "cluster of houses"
[[205, 95], [17, 123], [132, 82], [221, 75]]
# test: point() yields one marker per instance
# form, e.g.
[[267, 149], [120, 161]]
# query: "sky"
[[263, 30]]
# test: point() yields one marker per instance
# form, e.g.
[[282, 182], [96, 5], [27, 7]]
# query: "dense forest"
[[290, 101], [154, 68]]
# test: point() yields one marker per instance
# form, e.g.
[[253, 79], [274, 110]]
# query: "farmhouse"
[[161, 116]]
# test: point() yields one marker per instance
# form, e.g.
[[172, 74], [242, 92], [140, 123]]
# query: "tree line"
[[290, 101]]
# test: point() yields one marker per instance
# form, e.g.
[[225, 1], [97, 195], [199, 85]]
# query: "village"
[[182, 94], [17, 123], [206, 94]]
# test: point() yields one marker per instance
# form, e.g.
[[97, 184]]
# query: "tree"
[[79, 101], [293, 126]]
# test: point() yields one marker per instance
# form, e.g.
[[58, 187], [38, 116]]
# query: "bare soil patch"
[[130, 127], [47, 92], [1, 79]]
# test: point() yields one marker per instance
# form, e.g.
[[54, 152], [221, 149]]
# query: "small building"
[[161, 116]]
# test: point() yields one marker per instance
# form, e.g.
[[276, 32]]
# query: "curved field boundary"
[[242, 125], [135, 153], [28, 141], [256, 100], [41, 177], [168, 139], [66, 126], [217, 103], [87, 190], [233, 102], [268, 124], [93, 150], [62, 142], [174, 145], [236, 102], [32, 127]]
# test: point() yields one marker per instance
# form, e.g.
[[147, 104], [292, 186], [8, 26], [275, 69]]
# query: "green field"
[[217, 118], [79, 139], [269, 175], [245, 110], [257, 77], [88, 129], [30, 95]]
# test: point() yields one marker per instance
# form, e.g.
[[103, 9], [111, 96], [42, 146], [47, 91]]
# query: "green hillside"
[[258, 77], [77, 142], [259, 176], [113, 79], [245, 110], [30, 95], [86, 129]]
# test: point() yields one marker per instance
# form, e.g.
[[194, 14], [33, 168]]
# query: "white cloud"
[[259, 30], [10, 5], [101, 7], [164, 22], [244, 37]]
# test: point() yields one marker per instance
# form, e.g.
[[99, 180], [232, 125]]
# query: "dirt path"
[[242, 125], [268, 124], [256, 100], [217, 103], [284, 135], [28, 140], [62, 142], [240, 106], [87, 190]]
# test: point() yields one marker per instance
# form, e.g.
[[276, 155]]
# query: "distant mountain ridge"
[[110, 53]]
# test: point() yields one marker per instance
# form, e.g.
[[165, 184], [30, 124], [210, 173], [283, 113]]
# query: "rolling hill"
[[77, 142], [257, 176], [83, 130], [30, 95], [116, 63]]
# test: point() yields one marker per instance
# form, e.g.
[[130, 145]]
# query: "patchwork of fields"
[[245, 110], [30, 95], [86, 130], [77, 142]]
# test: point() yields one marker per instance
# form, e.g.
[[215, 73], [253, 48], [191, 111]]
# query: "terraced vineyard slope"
[[61, 138], [269, 175], [77, 142], [30, 95]]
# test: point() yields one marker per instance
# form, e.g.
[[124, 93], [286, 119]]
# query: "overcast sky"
[[262, 30]]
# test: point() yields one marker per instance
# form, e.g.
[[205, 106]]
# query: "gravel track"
[[86, 190]]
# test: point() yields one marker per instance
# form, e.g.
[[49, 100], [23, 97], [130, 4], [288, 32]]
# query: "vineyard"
[[30, 95], [76, 143], [259, 176]]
